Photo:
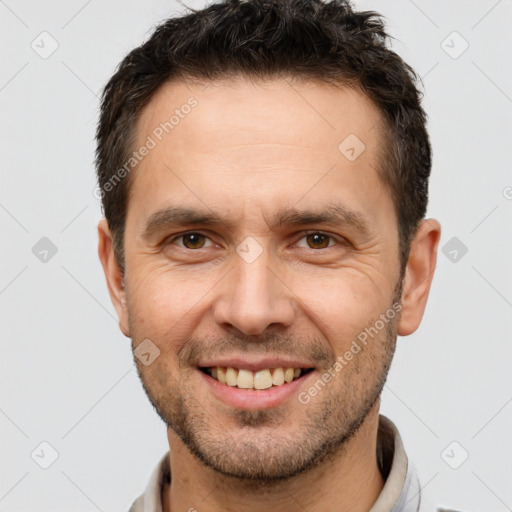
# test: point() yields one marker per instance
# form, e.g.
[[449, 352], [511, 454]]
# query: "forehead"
[[278, 111], [256, 144]]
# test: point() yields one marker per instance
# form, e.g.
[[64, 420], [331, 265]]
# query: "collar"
[[401, 491]]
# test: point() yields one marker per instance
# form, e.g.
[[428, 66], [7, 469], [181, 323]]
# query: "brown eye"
[[193, 240], [318, 240]]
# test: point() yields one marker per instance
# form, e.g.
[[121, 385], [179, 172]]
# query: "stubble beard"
[[263, 450]]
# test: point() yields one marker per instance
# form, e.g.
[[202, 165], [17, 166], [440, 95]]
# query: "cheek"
[[341, 302], [164, 304]]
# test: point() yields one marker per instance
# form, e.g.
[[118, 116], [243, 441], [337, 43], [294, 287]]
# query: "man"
[[264, 172]]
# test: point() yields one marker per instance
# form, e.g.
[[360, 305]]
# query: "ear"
[[113, 275], [418, 276]]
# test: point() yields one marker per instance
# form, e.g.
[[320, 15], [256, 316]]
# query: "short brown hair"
[[325, 41]]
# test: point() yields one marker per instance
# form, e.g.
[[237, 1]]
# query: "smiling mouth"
[[260, 380]]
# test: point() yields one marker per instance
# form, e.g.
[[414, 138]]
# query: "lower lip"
[[252, 398]]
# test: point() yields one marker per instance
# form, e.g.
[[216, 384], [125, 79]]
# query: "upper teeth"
[[246, 379]]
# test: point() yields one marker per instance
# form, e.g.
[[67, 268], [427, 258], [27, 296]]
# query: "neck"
[[348, 482]]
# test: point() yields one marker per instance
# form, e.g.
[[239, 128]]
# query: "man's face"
[[254, 293]]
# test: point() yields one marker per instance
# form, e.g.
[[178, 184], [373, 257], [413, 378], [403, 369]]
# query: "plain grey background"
[[67, 375]]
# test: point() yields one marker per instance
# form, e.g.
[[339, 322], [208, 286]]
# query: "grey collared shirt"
[[401, 492]]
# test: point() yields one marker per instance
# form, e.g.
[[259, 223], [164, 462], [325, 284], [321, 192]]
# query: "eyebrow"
[[332, 214]]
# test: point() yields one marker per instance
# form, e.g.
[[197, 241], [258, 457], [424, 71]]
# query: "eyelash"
[[340, 241]]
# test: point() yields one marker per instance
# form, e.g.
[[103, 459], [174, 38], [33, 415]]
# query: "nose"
[[254, 298]]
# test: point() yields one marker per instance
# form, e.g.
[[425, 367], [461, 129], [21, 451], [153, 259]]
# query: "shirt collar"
[[401, 491]]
